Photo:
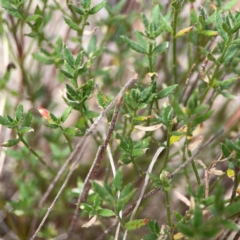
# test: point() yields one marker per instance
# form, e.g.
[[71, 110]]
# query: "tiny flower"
[[44, 112], [231, 173]]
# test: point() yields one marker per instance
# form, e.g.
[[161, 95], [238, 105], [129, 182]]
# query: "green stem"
[[216, 182], [169, 214], [153, 81], [34, 153], [216, 69], [67, 138], [167, 150], [138, 167], [174, 64], [132, 124]]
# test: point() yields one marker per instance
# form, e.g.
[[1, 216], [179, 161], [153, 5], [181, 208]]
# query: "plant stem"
[[195, 169], [169, 214], [34, 153], [167, 150], [227, 44], [174, 64], [67, 139]]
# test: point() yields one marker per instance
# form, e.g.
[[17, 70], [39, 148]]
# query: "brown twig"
[[94, 168], [76, 150]]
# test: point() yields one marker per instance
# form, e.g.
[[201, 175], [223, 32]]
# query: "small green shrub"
[[141, 141]]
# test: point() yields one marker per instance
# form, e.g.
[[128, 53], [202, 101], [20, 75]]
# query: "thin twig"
[[77, 149], [150, 168], [72, 168], [95, 167], [187, 82], [213, 138]]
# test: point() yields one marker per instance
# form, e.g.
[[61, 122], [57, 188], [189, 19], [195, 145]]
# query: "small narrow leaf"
[[3, 121], [11, 142], [219, 22], [165, 92], [24, 130], [232, 50], [32, 18], [72, 24], [135, 224], [66, 114], [67, 54], [118, 180], [97, 8], [42, 59], [106, 212], [135, 46], [77, 10], [19, 112], [162, 47]]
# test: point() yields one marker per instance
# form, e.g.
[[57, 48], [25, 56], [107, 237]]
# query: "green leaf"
[[165, 92], [43, 59], [67, 54], [72, 24], [232, 50], [219, 203], [90, 114], [187, 231], [228, 224], [123, 142], [27, 119], [106, 212], [86, 4], [225, 150], [219, 22], [202, 118], [198, 217], [236, 27], [153, 227], [101, 191], [73, 94], [19, 112], [77, 10], [70, 131], [78, 59], [155, 16], [212, 58], [83, 69], [53, 118], [118, 180], [32, 18], [179, 112], [11, 142], [11, 9], [92, 44], [162, 47], [86, 207], [226, 28], [25, 130], [66, 74], [97, 8], [135, 46], [4, 121], [102, 100], [145, 20], [150, 236], [66, 114], [135, 224], [125, 195]]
